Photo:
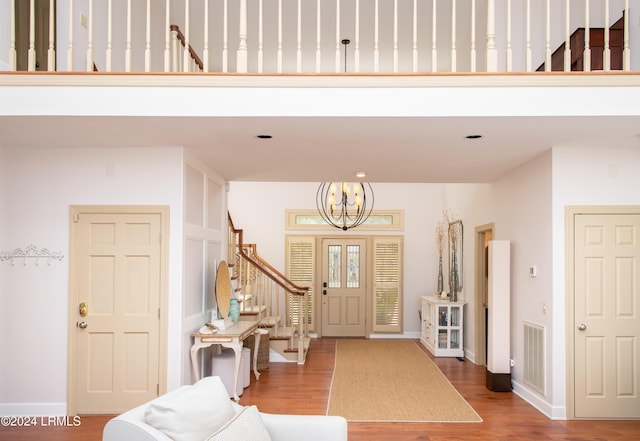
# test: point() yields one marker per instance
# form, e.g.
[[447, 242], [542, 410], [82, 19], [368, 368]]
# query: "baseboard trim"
[[550, 411]]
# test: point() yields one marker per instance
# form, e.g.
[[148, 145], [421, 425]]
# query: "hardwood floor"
[[289, 388]]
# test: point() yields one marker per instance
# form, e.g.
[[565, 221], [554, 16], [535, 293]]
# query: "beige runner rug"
[[393, 380]]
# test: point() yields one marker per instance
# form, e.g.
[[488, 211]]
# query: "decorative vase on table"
[[234, 310], [440, 278]]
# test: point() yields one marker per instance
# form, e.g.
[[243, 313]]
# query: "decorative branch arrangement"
[[441, 241], [31, 252]]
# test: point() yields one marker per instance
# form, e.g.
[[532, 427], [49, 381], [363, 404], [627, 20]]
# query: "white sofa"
[[204, 411]]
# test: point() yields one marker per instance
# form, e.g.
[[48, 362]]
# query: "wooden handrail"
[[192, 52], [271, 268], [286, 285]]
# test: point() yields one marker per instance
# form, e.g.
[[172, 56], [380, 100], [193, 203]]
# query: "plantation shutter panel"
[[299, 269], [387, 277]]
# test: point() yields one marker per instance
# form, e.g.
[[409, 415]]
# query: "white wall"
[[37, 186], [521, 204], [584, 176]]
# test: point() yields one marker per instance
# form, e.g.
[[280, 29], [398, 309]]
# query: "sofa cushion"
[[246, 425], [191, 413]]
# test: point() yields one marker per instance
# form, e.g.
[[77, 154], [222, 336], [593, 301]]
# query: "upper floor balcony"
[[320, 37]]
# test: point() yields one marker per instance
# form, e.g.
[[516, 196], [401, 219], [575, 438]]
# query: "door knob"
[[82, 325], [582, 327]]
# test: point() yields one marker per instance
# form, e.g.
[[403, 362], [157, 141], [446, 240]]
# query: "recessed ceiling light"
[[264, 136], [360, 174], [473, 136]]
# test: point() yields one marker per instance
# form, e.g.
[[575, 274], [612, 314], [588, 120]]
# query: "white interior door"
[[343, 287], [607, 316], [116, 272]]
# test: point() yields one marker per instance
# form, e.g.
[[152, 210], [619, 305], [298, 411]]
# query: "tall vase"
[[453, 297], [440, 278]]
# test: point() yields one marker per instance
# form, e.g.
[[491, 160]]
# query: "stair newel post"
[[242, 54], [606, 54], [492, 50]]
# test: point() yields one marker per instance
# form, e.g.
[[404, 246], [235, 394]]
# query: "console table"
[[232, 338]]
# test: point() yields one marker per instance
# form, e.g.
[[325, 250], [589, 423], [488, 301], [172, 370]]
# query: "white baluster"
[[260, 38], [473, 35], [147, 48], [626, 52], [454, 55], [528, 38], [606, 53], [376, 40], [567, 37], [279, 54], [356, 49], [51, 53], [205, 48], [176, 50], [492, 51], [242, 54], [395, 36], [70, 44], [318, 38], [547, 50], [13, 58], [31, 63], [338, 40], [109, 53], [434, 46], [225, 37], [186, 56], [299, 40], [586, 66], [127, 51], [89, 63], [167, 38], [509, 40], [415, 37]]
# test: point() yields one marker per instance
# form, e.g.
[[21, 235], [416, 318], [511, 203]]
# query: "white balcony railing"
[[317, 36]]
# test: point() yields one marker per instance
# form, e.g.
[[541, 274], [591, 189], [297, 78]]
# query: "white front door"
[[607, 315], [115, 285], [343, 288]]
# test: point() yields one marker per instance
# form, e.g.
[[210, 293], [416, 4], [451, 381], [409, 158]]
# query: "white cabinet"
[[442, 326]]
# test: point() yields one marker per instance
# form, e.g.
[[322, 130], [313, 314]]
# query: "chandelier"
[[344, 205]]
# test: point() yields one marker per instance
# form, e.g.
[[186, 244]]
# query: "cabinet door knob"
[[582, 327]]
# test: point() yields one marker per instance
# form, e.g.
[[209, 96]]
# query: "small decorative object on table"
[[234, 310]]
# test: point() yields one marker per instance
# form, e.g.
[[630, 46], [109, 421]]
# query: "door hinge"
[[76, 217], [158, 389], [158, 313]]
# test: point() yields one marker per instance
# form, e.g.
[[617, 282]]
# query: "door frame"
[[76, 210], [570, 213], [480, 332]]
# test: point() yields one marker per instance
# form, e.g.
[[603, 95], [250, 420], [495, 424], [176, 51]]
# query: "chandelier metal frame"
[[344, 213]]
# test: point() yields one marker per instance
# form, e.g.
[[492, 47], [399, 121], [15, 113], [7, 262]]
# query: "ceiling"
[[313, 149]]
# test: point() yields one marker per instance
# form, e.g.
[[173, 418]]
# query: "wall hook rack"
[[31, 252]]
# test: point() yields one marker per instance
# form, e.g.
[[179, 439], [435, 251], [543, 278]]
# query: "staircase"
[[597, 47], [268, 296]]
